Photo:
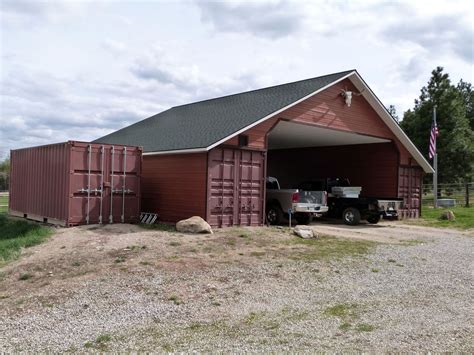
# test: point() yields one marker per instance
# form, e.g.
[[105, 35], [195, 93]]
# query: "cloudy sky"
[[81, 69]]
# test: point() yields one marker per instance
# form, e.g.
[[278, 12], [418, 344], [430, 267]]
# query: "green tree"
[[468, 96], [5, 166], [393, 112], [4, 173], [455, 141]]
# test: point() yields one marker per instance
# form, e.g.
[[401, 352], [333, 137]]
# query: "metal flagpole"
[[435, 167]]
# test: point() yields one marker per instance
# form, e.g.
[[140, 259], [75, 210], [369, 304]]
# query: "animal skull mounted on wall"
[[347, 95]]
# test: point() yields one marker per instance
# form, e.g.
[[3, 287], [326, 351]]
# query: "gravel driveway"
[[390, 288]]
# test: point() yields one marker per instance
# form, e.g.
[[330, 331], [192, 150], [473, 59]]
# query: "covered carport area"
[[299, 152]]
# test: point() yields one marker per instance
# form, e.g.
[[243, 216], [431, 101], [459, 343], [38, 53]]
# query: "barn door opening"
[[235, 187]]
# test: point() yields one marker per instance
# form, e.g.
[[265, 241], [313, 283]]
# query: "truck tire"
[[351, 216], [274, 214], [303, 218], [373, 219]]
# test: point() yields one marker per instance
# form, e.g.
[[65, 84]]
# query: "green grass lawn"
[[3, 204], [464, 217], [16, 234]]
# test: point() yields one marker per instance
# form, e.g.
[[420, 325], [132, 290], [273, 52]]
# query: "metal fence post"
[[467, 195]]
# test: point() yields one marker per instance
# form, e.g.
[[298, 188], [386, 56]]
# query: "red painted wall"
[[257, 135], [174, 186]]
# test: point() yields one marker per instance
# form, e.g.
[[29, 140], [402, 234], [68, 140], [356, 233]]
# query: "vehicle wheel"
[[303, 218], [274, 214], [351, 216], [374, 219]]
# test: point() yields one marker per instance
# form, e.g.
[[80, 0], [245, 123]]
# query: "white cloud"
[[272, 19], [116, 47], [21, 13], [37, 107], [189, 82], [435, 35]]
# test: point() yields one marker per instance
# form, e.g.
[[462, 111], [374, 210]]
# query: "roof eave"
[[178, 151]]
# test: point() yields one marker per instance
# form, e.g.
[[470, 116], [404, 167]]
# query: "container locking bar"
[[89, 154], [111, 217], [89, 191], [123, 182], [122, 191], [101, 182]]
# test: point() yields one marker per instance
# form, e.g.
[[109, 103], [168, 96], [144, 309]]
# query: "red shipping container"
[[76, 183]]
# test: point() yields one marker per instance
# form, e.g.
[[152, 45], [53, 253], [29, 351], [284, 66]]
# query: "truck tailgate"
[[317, 197]]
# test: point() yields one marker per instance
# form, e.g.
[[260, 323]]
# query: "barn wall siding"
[[174, 186], [372, 166], [257, 135]]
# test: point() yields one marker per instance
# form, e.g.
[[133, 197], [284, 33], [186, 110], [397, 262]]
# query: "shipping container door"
[[221, 187], [409, 188], [104, 184], [85, 184], [235, 187], [125, 186], [250, 189]]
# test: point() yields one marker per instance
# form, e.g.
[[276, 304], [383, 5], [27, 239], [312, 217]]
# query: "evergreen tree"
[[393, 112], [455, 141], [468, 96]]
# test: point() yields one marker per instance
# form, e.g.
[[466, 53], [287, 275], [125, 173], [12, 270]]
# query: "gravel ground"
[[120, 288]]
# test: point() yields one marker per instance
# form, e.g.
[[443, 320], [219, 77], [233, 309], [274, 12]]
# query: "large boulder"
[[304, 232], [447, 216], [194, 224]]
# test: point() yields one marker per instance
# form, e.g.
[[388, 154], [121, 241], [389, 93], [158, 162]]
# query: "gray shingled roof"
[[200, 124]]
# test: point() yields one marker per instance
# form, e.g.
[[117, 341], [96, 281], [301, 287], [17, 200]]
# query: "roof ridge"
[[265, 88]]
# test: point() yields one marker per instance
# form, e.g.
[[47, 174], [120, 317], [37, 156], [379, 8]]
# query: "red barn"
[[211, 158]]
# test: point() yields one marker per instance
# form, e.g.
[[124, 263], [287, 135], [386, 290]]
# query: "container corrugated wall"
[[76, 183]]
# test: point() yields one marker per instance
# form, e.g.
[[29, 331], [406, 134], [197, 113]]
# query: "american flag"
[[433, 134]]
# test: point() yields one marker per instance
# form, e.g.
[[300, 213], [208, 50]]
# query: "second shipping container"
[[76, 183]]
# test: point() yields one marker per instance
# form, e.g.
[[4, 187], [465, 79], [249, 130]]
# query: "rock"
[[303, 232], [447, 216], [194, 224]]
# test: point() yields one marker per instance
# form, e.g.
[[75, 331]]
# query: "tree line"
[[4, 174], [455, 120]]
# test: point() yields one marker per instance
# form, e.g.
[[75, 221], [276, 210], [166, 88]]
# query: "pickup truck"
[[344, 202], [303, 204]]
